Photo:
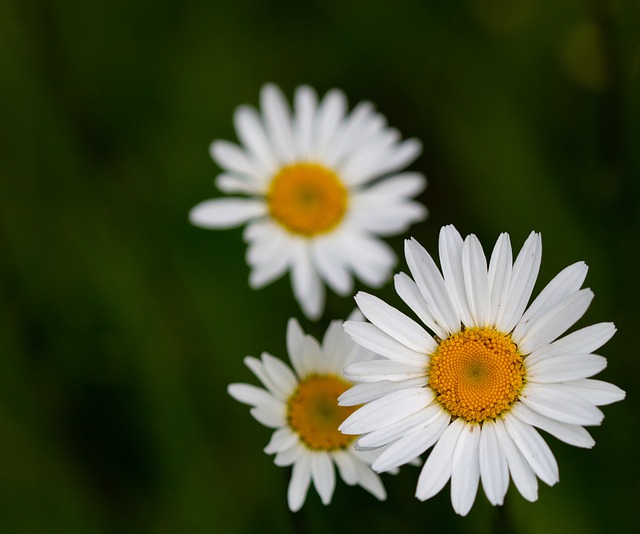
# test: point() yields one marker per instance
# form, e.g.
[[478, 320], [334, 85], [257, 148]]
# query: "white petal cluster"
[[359, 148], [269, 407], [402, 413]]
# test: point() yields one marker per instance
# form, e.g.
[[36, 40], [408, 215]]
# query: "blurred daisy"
[[492, 370], [319, 192], [302, 405]]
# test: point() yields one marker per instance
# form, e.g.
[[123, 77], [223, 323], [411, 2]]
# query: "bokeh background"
[[121, 325]]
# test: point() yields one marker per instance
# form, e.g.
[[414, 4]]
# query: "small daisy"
[[302, 405], [492, 370], [320, 190]]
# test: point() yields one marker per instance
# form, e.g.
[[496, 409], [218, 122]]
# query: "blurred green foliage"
[[121, 325]]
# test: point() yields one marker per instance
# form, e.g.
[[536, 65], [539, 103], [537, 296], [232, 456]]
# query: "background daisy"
[[316, 202], [490, 372], [302, 406]]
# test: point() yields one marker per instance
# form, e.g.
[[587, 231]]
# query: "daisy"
[[320, 188], [302, 406], [489, 374]]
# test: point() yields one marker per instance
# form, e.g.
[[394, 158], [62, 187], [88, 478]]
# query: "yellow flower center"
[[477, 373], [307, 199], [313, 412]]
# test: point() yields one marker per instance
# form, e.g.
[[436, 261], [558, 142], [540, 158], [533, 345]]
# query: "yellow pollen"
[[313, 412], [307, 199], [477, 374]]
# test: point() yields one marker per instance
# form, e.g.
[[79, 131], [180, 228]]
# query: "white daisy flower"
[[319, 188], [302, 405], [489, 374]]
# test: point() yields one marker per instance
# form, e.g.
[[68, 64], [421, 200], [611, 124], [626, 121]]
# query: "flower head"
[[319, 189], [491, 372], [302, 406]]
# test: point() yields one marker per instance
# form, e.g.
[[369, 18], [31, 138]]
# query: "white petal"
[[565, 368], [280, 373], [583, 341], [258, 369], [290, 455], [572, 434], [389, 159], [534, 449], [276, 117], [410, 446], [436, 471], [552, 401], [370, 481], [226, 212], [299, 483], [465, 471], [323, 475], [295, 345], [388, 220], [266, 272], [251, 133], [307, 288], [408, 291], [595, 391], [432, 416], [565, 283], [271, 416], [368, 391], [404, 185], [555, 322], [371, 337], [251, 395], [228, 183], [335, 345], [395, 323], [450, 250], [431, 285], [523, 476], [523, 278], [500, 276], [494, 471], [376, 370], [384, 411], [345, 463], [331, 266], [232, 158], [282, 439], [305, 112], [476, 278], [370, 258], [330, 113]]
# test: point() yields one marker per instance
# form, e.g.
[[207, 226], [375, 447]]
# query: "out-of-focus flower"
[[320, 189], [302, 406]]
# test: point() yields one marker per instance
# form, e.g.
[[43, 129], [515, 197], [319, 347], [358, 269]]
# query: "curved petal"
[[554, 402], [226, 212], [323, 475], [385, 411], [465, 471], [494, 471], [476, 279], [395, 324], [521, 282], [500, 276], [432, 286], [299, 483], [436, 471], [565, 368], [450, 250]]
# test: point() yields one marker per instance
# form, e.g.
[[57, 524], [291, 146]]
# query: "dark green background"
[[121, 324]]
